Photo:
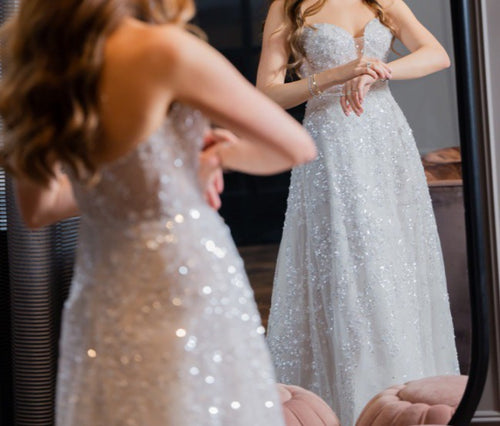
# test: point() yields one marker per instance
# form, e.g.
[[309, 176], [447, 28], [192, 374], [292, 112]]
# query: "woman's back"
[[160, 327], [169, 317], [134, 94]]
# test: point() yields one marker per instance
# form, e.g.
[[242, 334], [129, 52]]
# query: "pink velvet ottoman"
[[431, 400], [304, 408]]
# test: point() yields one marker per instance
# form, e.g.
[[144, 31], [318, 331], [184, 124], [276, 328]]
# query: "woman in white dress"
[[160, 327], [359, 299]]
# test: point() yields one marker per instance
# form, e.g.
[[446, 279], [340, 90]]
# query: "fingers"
[[214, 188], [208, 138], [217, 135], [210, 177], [219, 181], [364, 86], [209, 165], [372, 73], [355, 102], [388, 70], [381, 69], [352, 96], [223, 135], [364, 90], [345, 106], [354, 93], [210, 173], [213, 199], [209, 159]]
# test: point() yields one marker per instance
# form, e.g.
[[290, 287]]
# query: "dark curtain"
[[252, 206], [40, 269]]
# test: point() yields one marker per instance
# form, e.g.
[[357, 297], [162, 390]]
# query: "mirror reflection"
[[361, 284]]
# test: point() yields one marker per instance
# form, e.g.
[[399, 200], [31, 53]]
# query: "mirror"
[[251, 205], [254, 208], [430, 105]]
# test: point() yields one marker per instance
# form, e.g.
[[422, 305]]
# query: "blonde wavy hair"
[[296, 21], [49, 95]]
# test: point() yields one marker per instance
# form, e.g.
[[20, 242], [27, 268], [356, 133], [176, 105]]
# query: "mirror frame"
[[470, 86]]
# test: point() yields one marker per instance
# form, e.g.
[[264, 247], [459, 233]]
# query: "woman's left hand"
[[354, 94]]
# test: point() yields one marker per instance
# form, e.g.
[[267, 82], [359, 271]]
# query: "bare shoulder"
[[387, 4], [156, 49], [277, 6], [179, 50], [395, 8], [276, 12], [168, 39], [139, 80], [276, 20], [399, 14]]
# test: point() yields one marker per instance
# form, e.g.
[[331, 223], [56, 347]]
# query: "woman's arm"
[[198, 75], [228, 148], [210, 174], [427, 54], [42, 205], [274, 58]]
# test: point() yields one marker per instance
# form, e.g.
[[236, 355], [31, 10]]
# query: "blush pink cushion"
[[302, 407], [431, 400]]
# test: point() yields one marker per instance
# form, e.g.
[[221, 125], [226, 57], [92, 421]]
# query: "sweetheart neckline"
[[363, 33]]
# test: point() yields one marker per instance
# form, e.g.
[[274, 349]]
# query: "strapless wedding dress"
[[161, 327], [359, 300]]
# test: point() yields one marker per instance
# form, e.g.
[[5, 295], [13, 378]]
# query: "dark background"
[[252, 206]]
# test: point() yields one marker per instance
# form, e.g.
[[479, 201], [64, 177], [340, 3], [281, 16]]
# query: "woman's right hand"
[[269, 140], [210, 173], [354, 93], [373, 67]]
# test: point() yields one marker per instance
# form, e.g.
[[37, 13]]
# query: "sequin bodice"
[[328, 46], [155, 180], [160, 327]]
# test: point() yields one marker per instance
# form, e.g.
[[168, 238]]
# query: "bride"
[[359, 299], [105, 105]]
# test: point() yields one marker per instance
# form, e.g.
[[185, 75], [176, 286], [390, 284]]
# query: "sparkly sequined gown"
[[160, 328], [359, 300]]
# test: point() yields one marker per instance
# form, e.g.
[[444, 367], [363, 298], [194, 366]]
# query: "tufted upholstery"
[[302, 407], [431, 400]]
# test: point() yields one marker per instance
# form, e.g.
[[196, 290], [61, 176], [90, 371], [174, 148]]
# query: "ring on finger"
[[368, 65]]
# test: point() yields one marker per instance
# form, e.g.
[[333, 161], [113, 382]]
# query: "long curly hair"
[[296, 21], [53, 58]]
